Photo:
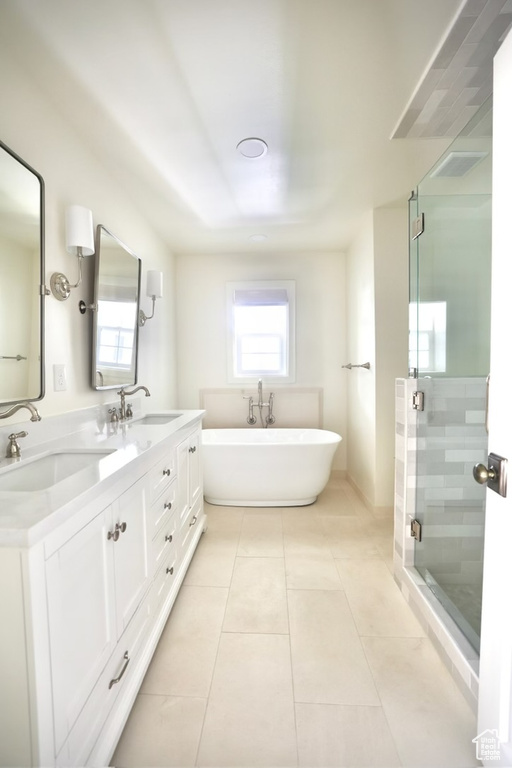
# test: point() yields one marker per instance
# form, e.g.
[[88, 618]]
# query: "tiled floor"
[[291, 645]]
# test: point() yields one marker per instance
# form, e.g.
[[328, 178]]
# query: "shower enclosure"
[[450, 274]]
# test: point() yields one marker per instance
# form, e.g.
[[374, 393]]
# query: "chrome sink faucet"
[[123, 392], [11, 411]]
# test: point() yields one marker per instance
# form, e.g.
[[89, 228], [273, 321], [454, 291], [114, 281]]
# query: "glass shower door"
[[450, 345]]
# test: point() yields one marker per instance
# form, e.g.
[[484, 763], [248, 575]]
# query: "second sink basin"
[[41, 473], [154, 419]]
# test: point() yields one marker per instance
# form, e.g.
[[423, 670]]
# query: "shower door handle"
[[495, 474]]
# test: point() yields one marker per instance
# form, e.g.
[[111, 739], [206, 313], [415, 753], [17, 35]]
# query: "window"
[[427, 332], [261, 326], [116, 323]]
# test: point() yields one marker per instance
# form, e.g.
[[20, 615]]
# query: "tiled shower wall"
[[435, 452], [451, 440]]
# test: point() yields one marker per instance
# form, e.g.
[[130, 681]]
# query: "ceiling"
[[164, 90]]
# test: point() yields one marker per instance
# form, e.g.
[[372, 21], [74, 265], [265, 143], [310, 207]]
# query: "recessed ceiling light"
[[252, 147], [258, 238]]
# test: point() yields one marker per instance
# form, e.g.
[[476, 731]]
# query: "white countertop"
[[27, 516]]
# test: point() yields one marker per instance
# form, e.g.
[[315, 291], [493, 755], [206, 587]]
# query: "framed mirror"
[[115, 319], [21, 280]]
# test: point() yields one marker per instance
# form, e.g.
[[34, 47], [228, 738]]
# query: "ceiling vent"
[[457, 164]]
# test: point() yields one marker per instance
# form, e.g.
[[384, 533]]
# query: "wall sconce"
[[154, 289], [79, 242]]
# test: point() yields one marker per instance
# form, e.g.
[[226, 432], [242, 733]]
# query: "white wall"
[[377, 327], [360, 383], [36, 131], [391, 337], [320, 324]]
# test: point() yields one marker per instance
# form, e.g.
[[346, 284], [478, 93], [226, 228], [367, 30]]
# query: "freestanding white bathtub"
[[266, 467]]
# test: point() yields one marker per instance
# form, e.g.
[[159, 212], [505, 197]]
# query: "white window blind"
[[261, 325]]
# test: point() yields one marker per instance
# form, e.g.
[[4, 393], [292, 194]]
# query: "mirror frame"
[[99, 229], [41, 286]]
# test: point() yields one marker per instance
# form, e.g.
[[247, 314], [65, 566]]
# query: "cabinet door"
[[195, 478], [130, 553], [80, 584], [182, 482]]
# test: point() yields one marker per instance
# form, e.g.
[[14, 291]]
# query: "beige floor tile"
[[250, 715], [257, 597], [214, 559], [304, 536], [377, 605], [311, 572], [185, 656], [349, 537], [335, 501], [431, 723], [344, 737], [261, 535], [329, 665], [224, 518], [161, 731]]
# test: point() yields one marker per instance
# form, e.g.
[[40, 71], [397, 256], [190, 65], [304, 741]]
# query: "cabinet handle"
[[121, 527], [167, 472], [168, 537], [169, 570], [117, 679], [194, 521], [193, 449], [113, 534], [168, 505]]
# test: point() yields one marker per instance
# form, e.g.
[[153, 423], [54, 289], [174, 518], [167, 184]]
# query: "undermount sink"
[[154, 419], [48, 470]]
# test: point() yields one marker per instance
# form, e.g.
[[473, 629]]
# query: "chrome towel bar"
[[362, 365], [12, 357]]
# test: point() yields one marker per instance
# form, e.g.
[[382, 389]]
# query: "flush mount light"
[[252, 147]]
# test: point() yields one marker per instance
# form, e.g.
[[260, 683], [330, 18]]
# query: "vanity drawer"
[[162, 474], [163, 508], [164, 541], [120, 667]]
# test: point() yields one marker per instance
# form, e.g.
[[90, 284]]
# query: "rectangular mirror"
[[21, 280], [116, 302]]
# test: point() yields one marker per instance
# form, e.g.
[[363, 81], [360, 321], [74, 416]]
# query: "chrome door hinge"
[[416, 529], [418, 226], [418, 401]]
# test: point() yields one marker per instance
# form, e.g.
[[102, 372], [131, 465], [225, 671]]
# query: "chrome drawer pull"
[[167, 472], [169, 570], [113, 534], [167, 505], [121, 527], [194, 521], [117, 679], [168, 537]]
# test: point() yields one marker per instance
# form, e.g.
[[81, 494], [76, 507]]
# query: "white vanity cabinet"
[[84, 607], [190, 488], [95, 582]]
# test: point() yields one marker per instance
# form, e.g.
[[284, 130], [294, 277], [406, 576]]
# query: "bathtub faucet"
[[269, 418]]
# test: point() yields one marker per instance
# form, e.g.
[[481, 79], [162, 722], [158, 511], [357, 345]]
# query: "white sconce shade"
[[155, 290], [79, 230], [80, 243], [155, 284]]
